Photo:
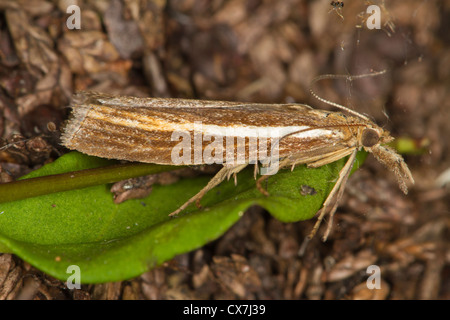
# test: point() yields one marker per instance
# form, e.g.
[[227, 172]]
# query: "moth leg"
[[255, 171], [317, 161], [261, 189], [235, 178], [140, 187], [337, 191], [225, 172], [335, 156]]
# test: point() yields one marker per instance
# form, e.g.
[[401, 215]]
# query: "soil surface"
[[258, 51]]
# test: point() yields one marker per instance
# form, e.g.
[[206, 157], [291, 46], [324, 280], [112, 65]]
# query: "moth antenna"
[[340, 76]]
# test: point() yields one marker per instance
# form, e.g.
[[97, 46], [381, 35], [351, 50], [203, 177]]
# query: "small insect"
[[337, 7], [306, 190], [234, 134], [337, 4]]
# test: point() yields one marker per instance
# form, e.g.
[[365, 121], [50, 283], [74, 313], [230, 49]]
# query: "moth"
[[194, 132]]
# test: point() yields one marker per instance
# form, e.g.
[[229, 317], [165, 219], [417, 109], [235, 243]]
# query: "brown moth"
[[193, 132]]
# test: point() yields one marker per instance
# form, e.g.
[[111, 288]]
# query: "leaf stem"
[[38, 186]]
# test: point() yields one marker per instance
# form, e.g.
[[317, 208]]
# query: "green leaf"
[[112, 242]]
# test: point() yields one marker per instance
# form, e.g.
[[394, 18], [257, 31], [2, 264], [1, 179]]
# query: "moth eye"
[[370, 137]]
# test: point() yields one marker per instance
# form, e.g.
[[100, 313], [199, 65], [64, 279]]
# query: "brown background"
[[261, 51]]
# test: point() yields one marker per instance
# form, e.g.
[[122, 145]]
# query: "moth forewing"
[[139, 129]]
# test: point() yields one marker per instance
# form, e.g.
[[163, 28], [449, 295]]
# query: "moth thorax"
[[370, 137]]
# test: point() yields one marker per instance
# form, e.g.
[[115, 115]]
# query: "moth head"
[[371, 136]]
